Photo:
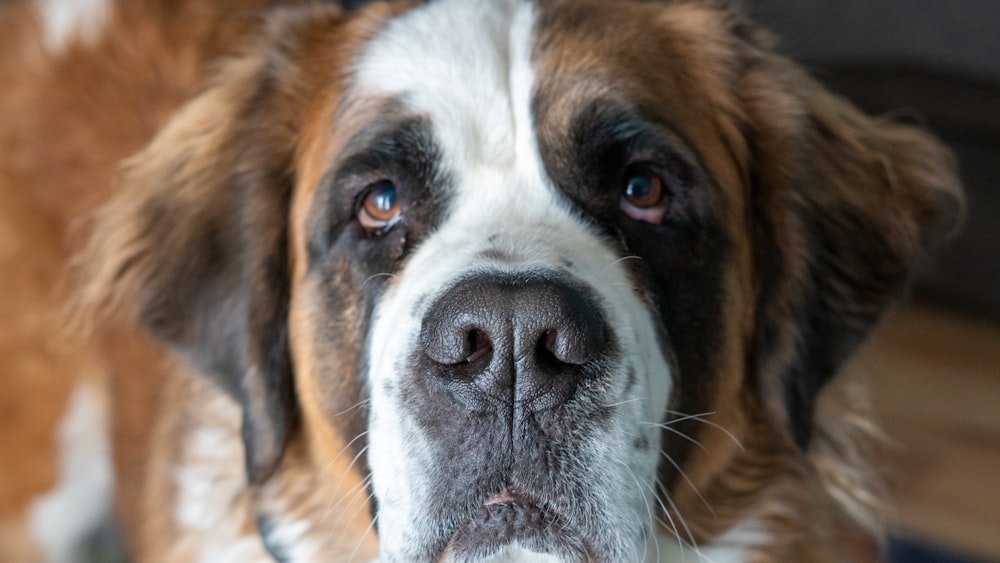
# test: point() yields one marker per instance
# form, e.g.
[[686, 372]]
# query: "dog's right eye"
[[379, 207], [644, 196]]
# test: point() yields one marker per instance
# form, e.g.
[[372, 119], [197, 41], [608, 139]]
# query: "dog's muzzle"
[[507, 356], [514, 412]]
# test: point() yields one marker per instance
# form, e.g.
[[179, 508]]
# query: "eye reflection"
[[380, 207], [643, 196]]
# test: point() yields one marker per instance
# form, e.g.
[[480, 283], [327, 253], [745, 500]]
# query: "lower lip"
[[507, 498], [507, 520], [502, 522]]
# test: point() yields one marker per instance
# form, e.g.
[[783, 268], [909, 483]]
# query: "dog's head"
[[551, 267]]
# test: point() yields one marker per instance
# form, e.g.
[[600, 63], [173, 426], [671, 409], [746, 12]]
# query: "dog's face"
[[511, 253]]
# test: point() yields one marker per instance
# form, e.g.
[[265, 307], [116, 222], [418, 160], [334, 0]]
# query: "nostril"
[[479, 346], [574, 346], [546, 357], [455, 345], [552, 346], [549, 343]]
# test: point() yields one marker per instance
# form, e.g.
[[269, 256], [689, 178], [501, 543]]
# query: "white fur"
[[65, 20], [246, 549], [213, 505], [201, 489], [211, 495], [295, 541], [473, 81], [517, 554], [81, 500], [734, 546]]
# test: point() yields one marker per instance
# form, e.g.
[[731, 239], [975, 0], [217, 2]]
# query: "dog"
[[506, 280]]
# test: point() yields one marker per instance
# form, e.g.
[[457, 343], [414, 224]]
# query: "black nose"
[[501, 339]]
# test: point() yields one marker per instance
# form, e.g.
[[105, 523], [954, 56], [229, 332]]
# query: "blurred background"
[[935, 363]]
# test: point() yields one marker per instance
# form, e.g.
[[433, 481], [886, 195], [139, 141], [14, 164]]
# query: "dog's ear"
[[195, 243], [843, 208]]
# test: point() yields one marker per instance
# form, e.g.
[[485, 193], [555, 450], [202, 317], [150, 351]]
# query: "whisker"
[[688, 480], [649, 511], [663, 509], [349, 444], [693, 545], [620, 403], [685, 436], [700, 418], [376, 276], [343, 521], [357, 405], [363, 484], [681, 417], [361, 539], [363, 504], [347, 497], [618, 261], [356, 457]]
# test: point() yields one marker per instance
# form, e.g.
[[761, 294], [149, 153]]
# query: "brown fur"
[[57, 166], [256, 136]]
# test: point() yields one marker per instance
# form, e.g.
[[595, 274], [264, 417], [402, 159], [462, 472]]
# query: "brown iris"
[[379, 209], [643, 197], [644, 190]]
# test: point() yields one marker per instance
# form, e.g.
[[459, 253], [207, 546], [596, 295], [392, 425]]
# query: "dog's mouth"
[[506, 497], [511, 518]]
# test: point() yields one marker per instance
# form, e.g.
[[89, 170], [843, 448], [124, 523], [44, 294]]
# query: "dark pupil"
[[384, 197], [639, 187]]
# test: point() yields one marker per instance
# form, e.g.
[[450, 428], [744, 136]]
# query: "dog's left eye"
[[644, 196], [379, 207]]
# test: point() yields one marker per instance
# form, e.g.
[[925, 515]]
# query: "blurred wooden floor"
[[936, 389]]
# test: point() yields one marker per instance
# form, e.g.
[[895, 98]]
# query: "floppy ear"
[[844, 208], [194, 244]]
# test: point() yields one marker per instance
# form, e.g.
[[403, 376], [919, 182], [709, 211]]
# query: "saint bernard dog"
[[446, 281]]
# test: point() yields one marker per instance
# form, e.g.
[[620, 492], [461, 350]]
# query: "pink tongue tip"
[[503, 497]]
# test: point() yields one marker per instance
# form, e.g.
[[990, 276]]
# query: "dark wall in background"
[[933, 62]]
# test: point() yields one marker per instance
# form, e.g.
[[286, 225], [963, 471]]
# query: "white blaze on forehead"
[[466, 67], [64, 20]]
